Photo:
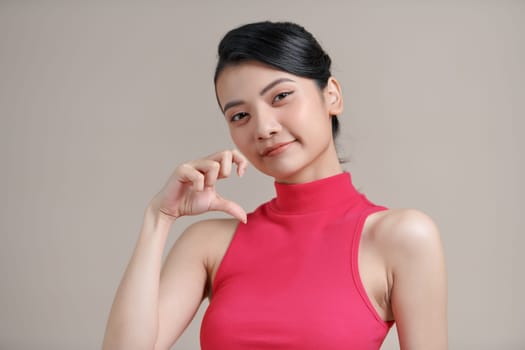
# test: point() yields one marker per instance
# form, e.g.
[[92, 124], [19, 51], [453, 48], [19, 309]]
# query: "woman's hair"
[[284, 45]]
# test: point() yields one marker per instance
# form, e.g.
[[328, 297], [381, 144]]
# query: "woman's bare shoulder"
[[405, 231], [206, 234], [415, 261], [210, 225]]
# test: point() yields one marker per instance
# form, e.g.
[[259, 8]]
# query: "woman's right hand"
[[190, 190]]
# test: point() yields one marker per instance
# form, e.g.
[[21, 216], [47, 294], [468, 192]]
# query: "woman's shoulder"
[[206, 233], [405, 219], [207, 225], [404, 232]]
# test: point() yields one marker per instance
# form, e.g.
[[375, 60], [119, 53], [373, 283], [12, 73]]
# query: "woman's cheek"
[[241, 141], [294, 112]]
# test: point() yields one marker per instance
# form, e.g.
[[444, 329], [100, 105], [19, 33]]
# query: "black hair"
[[284, 45]]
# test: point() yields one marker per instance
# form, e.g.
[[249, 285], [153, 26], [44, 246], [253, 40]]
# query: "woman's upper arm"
[[182, 283], [419, 290]]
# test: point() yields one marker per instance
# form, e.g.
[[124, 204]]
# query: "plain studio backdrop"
[[99, 101]]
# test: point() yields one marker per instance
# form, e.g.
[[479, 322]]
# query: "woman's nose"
[[267, 125]]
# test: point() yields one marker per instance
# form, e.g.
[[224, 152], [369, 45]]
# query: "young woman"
[[317, 267]]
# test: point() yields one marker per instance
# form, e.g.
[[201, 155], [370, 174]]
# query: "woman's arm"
[[419, 290], [133, 320], [152, 307], [184, 276]]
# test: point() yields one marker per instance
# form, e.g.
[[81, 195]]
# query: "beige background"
[[100, 101]]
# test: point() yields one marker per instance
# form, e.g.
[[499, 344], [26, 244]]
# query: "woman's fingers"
[[226, 159], [191, 189], [209, 168], [241, 162], [204, 172], [226, 164], [229, 207], [188, 173]]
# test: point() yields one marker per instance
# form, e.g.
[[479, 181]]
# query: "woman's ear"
[[333, 97]]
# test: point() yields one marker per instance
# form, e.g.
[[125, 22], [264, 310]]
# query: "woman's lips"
[[276, 149]]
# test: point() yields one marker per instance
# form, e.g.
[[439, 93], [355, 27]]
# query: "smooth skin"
[[280, 123]]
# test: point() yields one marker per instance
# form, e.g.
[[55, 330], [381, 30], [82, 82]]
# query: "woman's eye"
[[281, 96], [238, 116]]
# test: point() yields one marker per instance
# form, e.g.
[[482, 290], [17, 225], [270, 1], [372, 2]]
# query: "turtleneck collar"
[[314, 196]]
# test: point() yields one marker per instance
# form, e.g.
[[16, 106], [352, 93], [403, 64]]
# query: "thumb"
[[229, 207]]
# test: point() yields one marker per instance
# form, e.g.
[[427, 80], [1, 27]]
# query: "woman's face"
[[281, 122]]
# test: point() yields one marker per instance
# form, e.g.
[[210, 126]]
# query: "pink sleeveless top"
[[290, 280]]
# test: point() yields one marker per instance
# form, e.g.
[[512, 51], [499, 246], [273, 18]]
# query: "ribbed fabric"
[[289, 279]]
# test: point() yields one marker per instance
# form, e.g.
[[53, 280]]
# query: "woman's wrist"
[[155, 221]]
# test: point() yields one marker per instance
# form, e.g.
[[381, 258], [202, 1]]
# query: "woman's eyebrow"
[[273, 83], [232, 104], [263, 91]]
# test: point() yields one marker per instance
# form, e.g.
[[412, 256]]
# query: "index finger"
[[236, 157], [240, 160]]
